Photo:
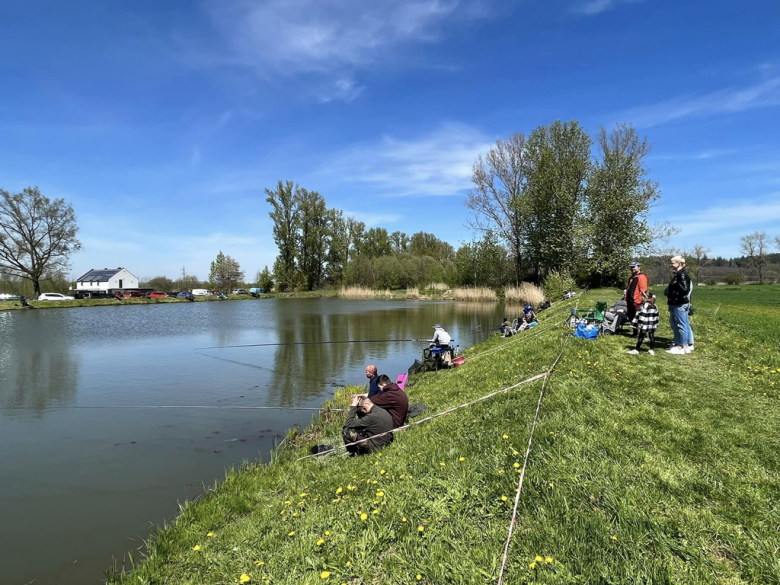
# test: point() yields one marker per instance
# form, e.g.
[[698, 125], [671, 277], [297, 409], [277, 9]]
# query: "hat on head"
[[437, 326], [527, 309], [634, 263]]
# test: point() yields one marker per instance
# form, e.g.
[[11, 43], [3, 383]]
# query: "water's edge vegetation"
[[660, 469]]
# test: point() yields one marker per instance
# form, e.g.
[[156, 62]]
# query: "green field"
[[644, 469]]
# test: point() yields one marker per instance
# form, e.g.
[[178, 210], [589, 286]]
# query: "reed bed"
[[412, 292], [437, 286], [364, 292], [525, 294], [476, 293]]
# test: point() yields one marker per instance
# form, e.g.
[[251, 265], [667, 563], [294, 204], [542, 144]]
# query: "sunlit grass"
[[644, 469]]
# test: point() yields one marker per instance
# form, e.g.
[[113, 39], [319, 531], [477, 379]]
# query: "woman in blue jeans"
[[678, 295]]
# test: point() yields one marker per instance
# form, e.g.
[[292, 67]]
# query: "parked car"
[[256, 291], [240, 291], [54, 297], [182, 294], [155, 295], [201, 292]]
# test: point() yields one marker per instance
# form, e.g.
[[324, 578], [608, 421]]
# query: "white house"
[[106, 279]]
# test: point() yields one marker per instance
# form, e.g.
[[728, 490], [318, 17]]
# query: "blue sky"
[[163, 122]]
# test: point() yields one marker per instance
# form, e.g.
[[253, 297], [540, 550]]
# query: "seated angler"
[[373, 378], [528, 317], [440, 337], [506, 328], [392, 399], [365, 421]]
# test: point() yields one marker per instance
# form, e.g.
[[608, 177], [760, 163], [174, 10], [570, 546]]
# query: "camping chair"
[[593, 315]]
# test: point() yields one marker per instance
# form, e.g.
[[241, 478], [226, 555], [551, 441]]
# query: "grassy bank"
[[644, 470], [15, 305]]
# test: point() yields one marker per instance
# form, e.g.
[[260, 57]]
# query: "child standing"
[[646, 322]]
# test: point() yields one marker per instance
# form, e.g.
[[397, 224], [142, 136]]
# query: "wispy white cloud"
[[759, 214], [687, 156], [330, 40], [439, 163], [599, 6], [726, 101], [372, 219]]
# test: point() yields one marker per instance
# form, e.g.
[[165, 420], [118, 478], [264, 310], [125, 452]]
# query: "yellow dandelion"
[[259, 563], [382, 472], [552, 484], [244, 578], [403, 519], [420, 528], [419, 577], [373, 482], [349, 563], [210, 534], [517, 464], [538, 559], [327, 533], [304, 494], [504, 498], [324, 574], [320, 542], [364, 516], [196, 547], [338, 491], [375, 512], [500, 472], [613, 537], [506, 436], [291, 533], [351, 487], [548, 560], [288, 502], [379, 493], [532, 566], [336, 501]]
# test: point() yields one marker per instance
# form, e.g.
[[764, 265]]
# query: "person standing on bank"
[[637, 286], [678, 295]]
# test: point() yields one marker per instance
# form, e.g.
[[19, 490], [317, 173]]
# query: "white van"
[[200, 292]]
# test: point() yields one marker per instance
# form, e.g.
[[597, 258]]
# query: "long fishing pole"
[[179, 406], [314, 343]]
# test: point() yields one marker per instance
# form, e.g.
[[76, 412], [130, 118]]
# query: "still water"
[[80, 487]]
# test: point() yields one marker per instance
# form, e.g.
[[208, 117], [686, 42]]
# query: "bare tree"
[[700, 253], [499, 188], [755, 246], [37, 235]]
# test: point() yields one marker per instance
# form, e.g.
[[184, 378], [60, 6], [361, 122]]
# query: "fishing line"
[[191, 406], [313, 343]]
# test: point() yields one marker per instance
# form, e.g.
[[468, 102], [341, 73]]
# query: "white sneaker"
[[687, 349], [676, 351], [633, 352], [651, 352], [690, 348]]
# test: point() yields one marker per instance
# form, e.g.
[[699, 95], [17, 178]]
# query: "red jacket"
[[394, 401], [637, 284]]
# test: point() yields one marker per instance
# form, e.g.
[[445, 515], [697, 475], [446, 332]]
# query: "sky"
[[163, 123]]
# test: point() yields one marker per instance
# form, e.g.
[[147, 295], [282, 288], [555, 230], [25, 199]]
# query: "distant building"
[[97, 281]]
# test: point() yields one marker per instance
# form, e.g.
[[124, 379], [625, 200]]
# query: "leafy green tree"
[[161, 283], [425, 244], [285, 216], [483, 262], [37, 236], [619, 196], [400, 241], [376, 243], [225, 273], [558, 163], [313, 231], [265, 280]]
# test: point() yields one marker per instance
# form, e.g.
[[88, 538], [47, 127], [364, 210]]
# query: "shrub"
[[735, 278], [557, 282], [711, 282], [525, 294]]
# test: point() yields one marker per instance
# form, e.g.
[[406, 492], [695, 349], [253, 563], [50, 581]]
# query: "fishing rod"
[[179, 406], [314, 343]]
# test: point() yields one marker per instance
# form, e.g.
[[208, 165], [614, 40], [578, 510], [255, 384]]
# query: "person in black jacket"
[[678, 295]]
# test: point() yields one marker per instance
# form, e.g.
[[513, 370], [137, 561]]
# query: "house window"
[[120, 283]]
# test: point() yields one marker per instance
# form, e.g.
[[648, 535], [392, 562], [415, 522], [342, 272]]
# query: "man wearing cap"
[[440, 337], [637, 285]]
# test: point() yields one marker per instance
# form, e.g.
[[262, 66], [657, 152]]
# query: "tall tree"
[[264, 280], [496, 200], [312, 230], [619, 196], [700, 257], [37, 235], [285, 216], [755, 247], [225, 273], [425, 244], [400, 241], [558, 159], [356, 231], [376, 243]]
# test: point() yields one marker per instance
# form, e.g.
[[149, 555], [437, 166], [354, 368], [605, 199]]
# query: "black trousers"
[[352, 435], [650, 335]]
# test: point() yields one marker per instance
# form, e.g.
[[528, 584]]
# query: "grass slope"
[[644, 469]]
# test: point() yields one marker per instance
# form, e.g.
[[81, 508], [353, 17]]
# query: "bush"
[[711, 282], [556, 283], [735, 278]]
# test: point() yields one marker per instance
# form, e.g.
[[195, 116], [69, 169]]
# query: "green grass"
[[644, 469]]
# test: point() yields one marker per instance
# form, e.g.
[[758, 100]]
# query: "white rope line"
[[525, 465], [405, 427]]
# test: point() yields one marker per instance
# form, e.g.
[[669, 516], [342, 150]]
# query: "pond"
[[84, 478]]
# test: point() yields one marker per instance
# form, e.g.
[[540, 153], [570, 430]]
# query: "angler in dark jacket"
[[678, 295], [364, 421], [392, 399]]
